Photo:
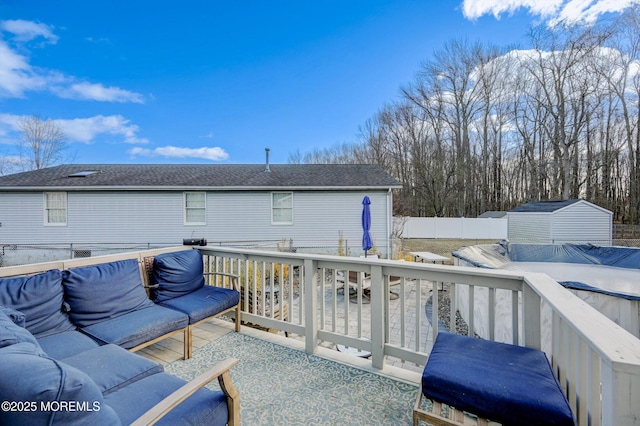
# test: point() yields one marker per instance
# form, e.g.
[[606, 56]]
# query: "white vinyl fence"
[[451, 228]]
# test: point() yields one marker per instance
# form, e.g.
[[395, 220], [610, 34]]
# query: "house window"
[[282, 208], [55, 208], [195, 205]]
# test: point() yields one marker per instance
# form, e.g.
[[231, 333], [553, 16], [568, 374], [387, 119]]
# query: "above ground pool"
[[608, 278]]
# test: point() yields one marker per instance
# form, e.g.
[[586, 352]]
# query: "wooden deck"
[[170, 350]]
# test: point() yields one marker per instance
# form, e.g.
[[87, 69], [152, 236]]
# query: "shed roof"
[[543, 206], [493, 214], [203, 176]]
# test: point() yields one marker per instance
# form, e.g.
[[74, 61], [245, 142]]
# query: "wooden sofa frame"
[[219, 371]]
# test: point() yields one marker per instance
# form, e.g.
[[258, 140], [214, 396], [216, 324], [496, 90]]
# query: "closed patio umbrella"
[[367, 242]]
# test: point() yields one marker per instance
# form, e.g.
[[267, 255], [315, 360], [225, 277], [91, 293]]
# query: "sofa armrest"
[[220, 371], [233, 278]]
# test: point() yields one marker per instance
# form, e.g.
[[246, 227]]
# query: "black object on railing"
[[194, 242]]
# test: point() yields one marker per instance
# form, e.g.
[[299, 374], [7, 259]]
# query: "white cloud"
[[18, 76], [553, 11], [97, 92], [84, 130], [206, 153], [26, 30], [87, 129]]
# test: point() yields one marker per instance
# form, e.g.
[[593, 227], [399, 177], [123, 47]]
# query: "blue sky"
[[217, 82]]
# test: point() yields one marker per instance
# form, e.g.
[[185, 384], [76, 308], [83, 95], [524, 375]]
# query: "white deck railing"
[[596, 361]]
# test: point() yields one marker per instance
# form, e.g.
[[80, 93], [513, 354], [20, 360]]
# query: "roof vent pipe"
[[267, 169]]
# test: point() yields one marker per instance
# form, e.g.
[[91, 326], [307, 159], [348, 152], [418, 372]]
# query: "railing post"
[[620, 388], [531, 317], [377, 317], [310, 292]]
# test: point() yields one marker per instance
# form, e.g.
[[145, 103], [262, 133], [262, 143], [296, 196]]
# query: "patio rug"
[[283, 386]]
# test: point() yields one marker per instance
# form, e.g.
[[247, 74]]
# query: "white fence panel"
[[453, 228]]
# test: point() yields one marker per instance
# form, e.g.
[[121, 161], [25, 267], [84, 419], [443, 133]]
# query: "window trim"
[[184, 208], [273, 222], [46, 209]]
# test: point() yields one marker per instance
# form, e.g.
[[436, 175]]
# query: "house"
[[557, 222], [302, 207]]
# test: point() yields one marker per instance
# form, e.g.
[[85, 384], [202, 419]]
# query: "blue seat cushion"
[[205, 407], [137, 327], [100, 292], [33, 378], [11, 333], [17, 317], [204, 302], [176, 274], [63, 345], [112, 367], [509, 384], [40, 298]]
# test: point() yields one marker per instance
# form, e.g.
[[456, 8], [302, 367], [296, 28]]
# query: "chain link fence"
[[21, 254]]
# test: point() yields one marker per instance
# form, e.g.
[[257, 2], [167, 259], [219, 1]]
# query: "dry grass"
[[437, 246]]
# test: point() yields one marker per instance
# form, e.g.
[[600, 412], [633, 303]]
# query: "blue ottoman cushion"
[[137, 327], [99, 292], [40, 298], [176, 274], [204, 302], [30, 377], [205, 407], [509, 384], [112, 367], [63, 345]]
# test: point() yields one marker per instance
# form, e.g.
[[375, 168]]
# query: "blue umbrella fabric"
[[367, 241]]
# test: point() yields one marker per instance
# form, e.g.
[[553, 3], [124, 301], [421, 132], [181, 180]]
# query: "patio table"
[[431, 257], [427, 255]]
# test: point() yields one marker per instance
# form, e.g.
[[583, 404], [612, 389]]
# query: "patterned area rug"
[[284, 386]]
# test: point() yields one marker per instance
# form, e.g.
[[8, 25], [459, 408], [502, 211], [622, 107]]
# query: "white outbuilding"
[[558, 222]]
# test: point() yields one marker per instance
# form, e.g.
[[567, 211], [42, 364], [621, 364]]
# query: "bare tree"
[[43, 143], [481, 129]]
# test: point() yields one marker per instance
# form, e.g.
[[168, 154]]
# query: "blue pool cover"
[[576, 266]]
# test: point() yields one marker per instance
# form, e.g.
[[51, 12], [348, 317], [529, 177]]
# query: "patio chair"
[[176, 280], [271, 310], [366, 286], [494, 381]]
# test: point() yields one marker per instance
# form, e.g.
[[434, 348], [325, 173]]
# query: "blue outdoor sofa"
[[66, 334]]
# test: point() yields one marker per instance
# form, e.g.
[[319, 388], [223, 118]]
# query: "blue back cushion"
[[39, 298], [37, 380], [99, 292], [177, 274]]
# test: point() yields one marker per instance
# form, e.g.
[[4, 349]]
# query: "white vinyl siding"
[[282, 208], [131, 218], [195, 208], [582, 223], [529, 228], [55, 208]]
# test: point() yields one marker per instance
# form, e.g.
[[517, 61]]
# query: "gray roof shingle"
[[214, 176]]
